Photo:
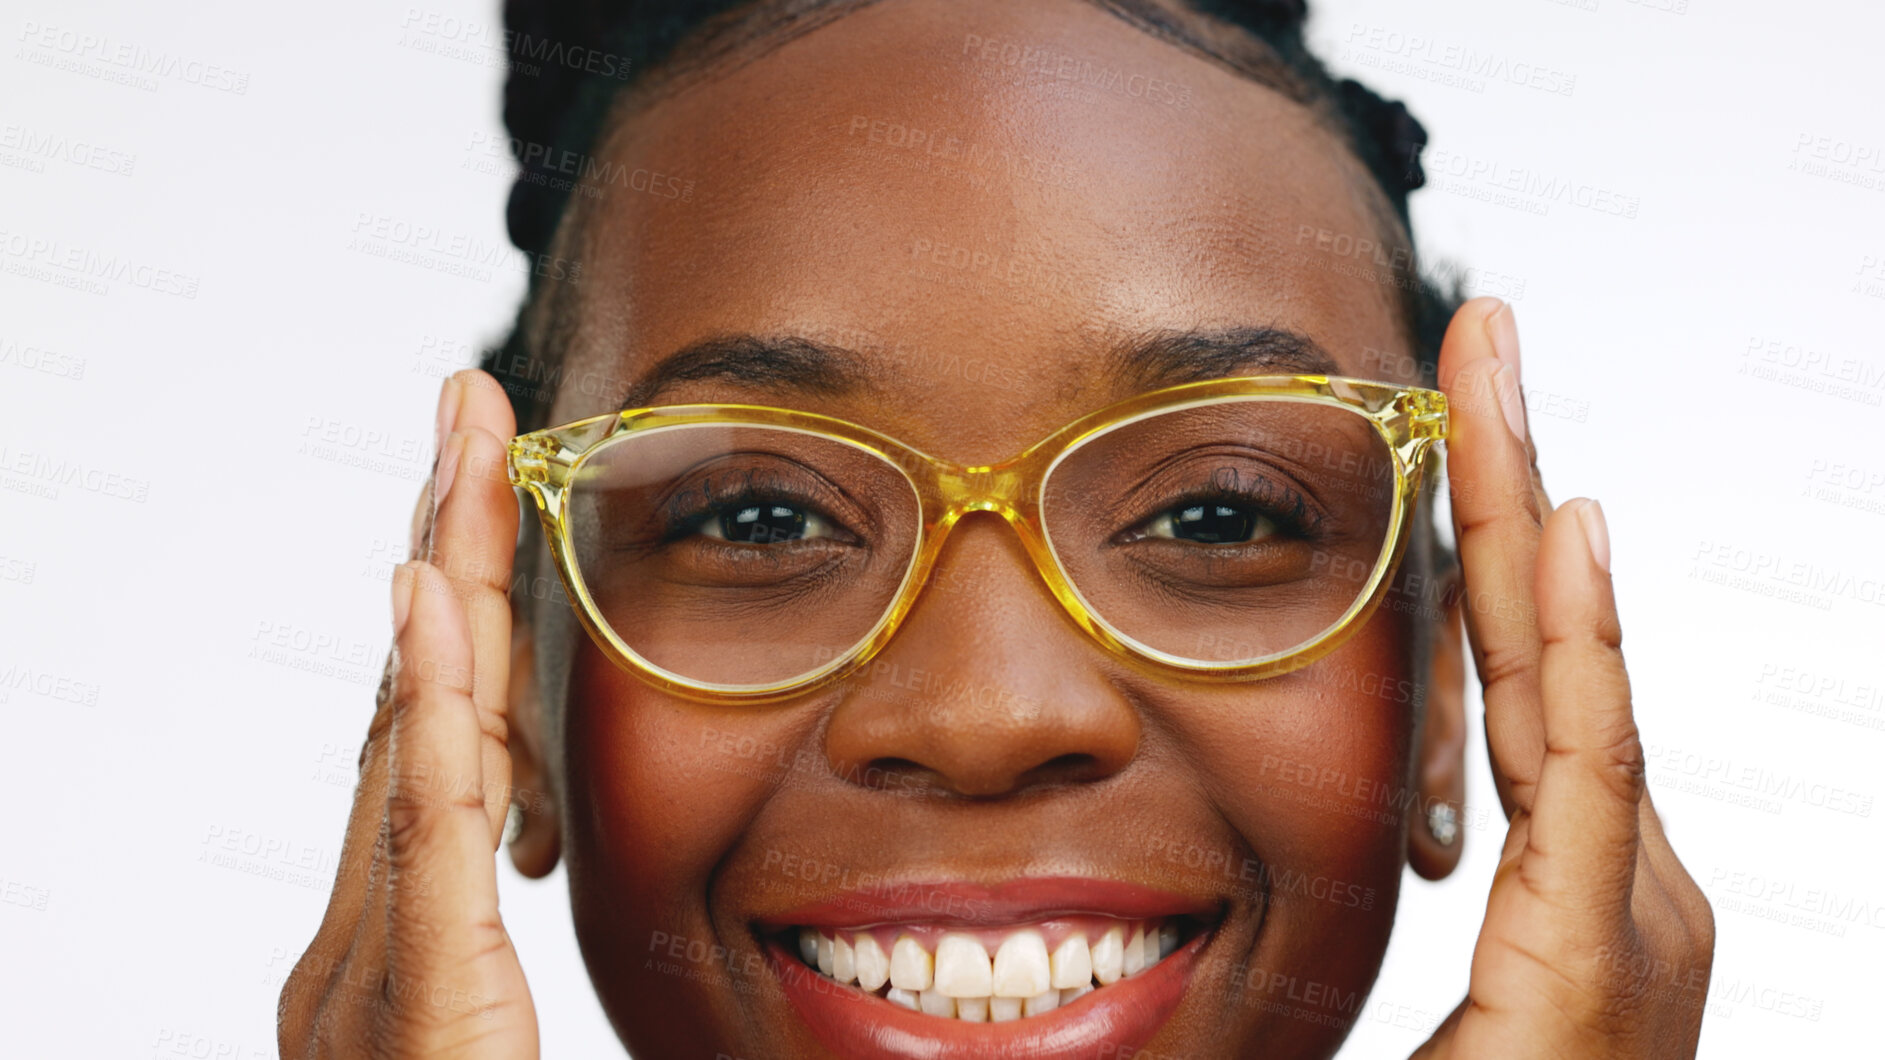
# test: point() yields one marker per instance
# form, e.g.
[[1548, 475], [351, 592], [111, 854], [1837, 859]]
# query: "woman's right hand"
[[411, 958]]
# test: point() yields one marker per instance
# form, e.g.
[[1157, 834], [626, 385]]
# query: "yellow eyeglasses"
[[1230, 529]]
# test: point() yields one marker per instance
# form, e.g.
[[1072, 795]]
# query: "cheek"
[[1312, 770], [659, 791], [663, 787]]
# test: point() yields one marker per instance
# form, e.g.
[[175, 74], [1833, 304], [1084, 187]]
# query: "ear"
[[537, 845], [1440, 759]]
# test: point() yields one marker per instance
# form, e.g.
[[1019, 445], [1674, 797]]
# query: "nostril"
[[896, 773], [1073, 768], [905, 775]]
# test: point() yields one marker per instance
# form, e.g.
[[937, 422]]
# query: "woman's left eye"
[[762, 524], [1211, 524]]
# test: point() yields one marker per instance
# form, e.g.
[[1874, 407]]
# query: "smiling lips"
[[990, 975], [1054, 968]]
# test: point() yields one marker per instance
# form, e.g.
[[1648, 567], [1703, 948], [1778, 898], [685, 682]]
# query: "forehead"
[[980, 191]]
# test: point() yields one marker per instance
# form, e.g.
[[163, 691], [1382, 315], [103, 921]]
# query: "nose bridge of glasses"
[[983, 488]]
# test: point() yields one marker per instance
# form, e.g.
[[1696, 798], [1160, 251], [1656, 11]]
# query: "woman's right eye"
[[1211, 524], [763, 524]]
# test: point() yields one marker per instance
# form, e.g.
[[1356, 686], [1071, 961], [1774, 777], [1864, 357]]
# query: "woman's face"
[[897, 184]]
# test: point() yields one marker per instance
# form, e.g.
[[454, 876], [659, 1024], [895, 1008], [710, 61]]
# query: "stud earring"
[[1443, 823], [513, 823]]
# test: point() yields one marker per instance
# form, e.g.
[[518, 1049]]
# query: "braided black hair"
[[557, 98]]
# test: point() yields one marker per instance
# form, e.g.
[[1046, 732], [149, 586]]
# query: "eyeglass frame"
[[1409, 419]]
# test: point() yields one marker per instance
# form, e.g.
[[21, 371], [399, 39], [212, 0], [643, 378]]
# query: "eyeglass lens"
[[740, 555]]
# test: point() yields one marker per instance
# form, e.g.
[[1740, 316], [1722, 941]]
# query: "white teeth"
[[1135, 952], [911, 966], [1072, 963], [961, 981], [962, 966], [843, 961], [873, 965], [1047, 1001], [1109, 956], [1021, 966]]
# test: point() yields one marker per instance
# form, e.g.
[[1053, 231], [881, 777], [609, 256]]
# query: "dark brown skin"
[[1093, 765]]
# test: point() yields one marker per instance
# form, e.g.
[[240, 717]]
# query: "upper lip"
[[974, 904]]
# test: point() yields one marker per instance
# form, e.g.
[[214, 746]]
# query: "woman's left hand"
[[1596, 943]]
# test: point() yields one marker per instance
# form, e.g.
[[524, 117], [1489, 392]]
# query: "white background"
[[1709, 368]]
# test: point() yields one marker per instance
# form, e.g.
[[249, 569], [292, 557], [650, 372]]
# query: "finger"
[[474, 539], [471, 404], [426, 508], [1502, 328], [346, 932], [441, 885], [321, 963], [1585, 820], [1497, 515]]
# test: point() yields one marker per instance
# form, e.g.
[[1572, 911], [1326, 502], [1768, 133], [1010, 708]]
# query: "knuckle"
[[1506, 664], [412, 824], [295, 991], [1501, 504], [1614, 754], [488, 613], [1619, 759], [1607, 629], [1698, 915], [416, 671]]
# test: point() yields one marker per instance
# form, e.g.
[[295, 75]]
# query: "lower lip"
[[1121, 1017]]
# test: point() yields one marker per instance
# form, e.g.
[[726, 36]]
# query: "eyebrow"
[[1153, 359], [1139, 362]]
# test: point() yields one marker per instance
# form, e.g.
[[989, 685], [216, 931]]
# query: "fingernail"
[[448, 412], [1590, 516], [1511, 399], [448, 468], [1502, 329], [403, 579]]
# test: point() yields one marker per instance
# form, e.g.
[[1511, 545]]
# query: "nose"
[[987, 690]]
